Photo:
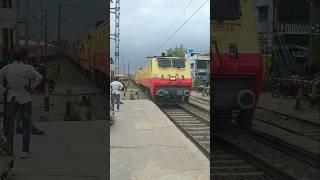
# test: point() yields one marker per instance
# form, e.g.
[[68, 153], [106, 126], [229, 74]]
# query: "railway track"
[[228, 163], [288, 123], [197, 129], [200, 100], [256, 155], [296, 126], [233, 163]]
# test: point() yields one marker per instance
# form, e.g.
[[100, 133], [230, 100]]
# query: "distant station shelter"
[[121, 76], [199, 65], [285, 28]]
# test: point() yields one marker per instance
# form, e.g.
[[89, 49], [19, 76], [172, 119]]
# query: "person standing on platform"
[[21, 80], [115, 87], [34, 129]]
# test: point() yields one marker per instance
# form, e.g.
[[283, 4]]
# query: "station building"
[[199, 66], [285, 28]]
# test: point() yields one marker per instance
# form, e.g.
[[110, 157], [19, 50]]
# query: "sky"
[[81, 15], [144, 28]]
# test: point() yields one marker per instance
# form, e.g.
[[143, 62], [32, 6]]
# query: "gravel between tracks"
[[296, 168]]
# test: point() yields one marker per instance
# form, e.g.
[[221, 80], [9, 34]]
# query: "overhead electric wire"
[[166, 32], [183, 24]]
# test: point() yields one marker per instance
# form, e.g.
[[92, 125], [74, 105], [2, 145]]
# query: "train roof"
[[98, 25]]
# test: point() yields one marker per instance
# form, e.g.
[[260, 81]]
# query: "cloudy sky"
[[80, 14], [144, 28]]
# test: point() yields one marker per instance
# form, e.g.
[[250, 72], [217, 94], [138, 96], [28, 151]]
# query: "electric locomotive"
[[236, 67], [91, 52], [166, 79]]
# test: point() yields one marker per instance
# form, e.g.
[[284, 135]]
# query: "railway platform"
[[74, 145], [146, 145], [286, 106], [61, 154]]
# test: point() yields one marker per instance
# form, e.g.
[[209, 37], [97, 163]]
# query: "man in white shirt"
[[115, 87], [34, 129], [21, 80]]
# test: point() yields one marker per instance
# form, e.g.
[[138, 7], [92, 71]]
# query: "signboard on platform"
[[7, 18]]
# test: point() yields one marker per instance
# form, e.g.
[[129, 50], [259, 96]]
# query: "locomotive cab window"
[[225, 9], [164, 63], [178, 63]]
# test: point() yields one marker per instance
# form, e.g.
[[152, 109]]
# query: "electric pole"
[[121, 61], [128, 69], [124, 69], [59, 23], [45, 35], [39, 33], [27, 24], [310, 36], [117, 34], [18, 24]]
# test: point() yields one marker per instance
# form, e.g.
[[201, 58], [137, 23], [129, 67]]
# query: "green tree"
[[177, 51]]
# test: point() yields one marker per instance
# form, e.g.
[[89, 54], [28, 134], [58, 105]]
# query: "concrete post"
[[46, 98], [297, 106], [68, 102], [89, 110]]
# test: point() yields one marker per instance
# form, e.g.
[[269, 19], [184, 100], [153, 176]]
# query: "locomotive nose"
[[246, 99], [187, 93]]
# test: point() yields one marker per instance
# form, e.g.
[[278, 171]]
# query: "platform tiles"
[[146, 145]]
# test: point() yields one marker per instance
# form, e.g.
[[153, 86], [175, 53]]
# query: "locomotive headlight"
[[173, 78], [246, 99], [186, 93]]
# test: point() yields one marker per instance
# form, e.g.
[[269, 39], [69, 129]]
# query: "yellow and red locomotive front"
[[166, 79], [236, 66]]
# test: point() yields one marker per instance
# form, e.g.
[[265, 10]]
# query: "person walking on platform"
[[115, 87], [21, 79]]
